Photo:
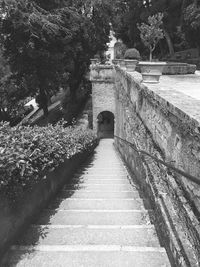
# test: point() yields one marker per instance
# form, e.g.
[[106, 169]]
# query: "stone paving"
[[98, 219]]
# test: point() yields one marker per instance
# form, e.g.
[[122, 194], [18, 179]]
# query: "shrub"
[[132, 53], [28, 153]]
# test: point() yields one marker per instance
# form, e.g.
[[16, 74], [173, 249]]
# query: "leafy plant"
[[132, 53], [152, 32], [28, 153]]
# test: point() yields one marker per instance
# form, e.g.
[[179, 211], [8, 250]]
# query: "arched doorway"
[[105, 124]]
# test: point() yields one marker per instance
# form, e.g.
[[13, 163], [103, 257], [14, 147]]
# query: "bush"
[[132, 53], [28, 153]]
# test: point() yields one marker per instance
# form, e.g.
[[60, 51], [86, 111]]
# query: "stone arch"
[[105, 124]]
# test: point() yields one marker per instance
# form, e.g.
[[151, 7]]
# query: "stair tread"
[[137, 258], [91, 217], [102, 180], [102, 187], [121, 204], [99, 194], [127, 236]]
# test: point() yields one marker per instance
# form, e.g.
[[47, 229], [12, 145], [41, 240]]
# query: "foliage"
[[34, 42], [132, 53], [192, 24], [129, 13], [17, 113], [28, 153], [49, 43], [152, 33], [92, 40]]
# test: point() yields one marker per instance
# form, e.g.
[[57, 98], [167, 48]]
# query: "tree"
[[192, 23], [34, 42], [129, 13], [92, 39], [48, 43], [152, 32]]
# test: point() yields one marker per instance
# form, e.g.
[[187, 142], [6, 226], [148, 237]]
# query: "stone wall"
[[164, 123], [103, 94]]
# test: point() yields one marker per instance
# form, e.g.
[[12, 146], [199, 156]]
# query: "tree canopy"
[[48, 43], [181, 23]]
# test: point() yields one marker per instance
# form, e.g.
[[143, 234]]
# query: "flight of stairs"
[[98, 219]]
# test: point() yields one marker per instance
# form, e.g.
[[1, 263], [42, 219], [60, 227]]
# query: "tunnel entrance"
[[105, 124]]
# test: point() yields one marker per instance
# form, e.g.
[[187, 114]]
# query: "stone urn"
[[131, 64], [151, 71], [132, 56]]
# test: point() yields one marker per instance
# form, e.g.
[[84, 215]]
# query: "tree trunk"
[[169, 43], [45, 110], [73, 89], [150, 56], [75, 84], [44, 101]]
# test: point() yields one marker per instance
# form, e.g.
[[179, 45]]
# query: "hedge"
[[28, 153]]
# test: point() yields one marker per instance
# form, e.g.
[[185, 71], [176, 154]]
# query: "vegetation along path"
[[98, 219]]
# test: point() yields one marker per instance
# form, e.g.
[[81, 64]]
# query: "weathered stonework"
[[145, 117], [103, 93], [174, 68]]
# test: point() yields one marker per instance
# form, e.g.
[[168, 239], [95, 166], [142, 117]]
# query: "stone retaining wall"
[[16, 215], [174, 68], [145, 117]]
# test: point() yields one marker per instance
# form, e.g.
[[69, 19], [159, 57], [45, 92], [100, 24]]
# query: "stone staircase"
[[98, 219]]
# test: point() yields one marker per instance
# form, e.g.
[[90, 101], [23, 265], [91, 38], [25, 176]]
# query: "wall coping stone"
[[101, 66], [168, 94]]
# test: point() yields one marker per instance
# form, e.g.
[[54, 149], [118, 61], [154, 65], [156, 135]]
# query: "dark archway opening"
[[105, 124]]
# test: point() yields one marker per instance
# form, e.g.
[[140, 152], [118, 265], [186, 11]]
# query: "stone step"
[[98, 165], [99, 194], [98, 204], [144, 236], [100, 168], [100, 177], [99, 187], [98, 219], [103, 256], [103, 172], [104, 180], [89, 217], [108, 158]]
